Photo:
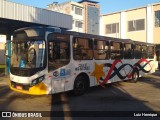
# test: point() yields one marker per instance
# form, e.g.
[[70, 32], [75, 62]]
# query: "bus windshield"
[[28, 54]]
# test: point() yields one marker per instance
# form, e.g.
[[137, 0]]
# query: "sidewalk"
[[4, 79]]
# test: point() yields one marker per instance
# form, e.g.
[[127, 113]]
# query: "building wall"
[[156, 29], [77, 17], [90, 16], [123, 19], [69, 8], [110, 19], [136, 14], [151, 32]]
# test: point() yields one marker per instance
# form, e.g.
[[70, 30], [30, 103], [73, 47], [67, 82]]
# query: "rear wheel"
[[80, 86], [135, 76]]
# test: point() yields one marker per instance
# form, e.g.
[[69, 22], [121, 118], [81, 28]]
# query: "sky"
[[107, 6]]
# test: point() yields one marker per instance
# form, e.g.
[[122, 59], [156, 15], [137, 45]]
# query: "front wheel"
[[80, 86], [135, 76]]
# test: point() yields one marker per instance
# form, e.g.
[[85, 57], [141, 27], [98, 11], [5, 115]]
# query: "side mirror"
[[7, 53]]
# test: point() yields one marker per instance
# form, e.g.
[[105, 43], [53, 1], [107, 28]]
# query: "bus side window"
[[82, 49], [137, 51], [144, 51], [128, 51], [151, 52], [101, 49], [116, 50]]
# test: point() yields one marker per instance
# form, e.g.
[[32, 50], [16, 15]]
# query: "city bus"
[[48, 60]]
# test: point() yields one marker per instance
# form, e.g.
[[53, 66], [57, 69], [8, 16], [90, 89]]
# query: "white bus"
[[47, 60]]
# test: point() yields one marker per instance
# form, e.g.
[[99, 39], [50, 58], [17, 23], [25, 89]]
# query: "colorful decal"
[[98, 73], [82, 67]]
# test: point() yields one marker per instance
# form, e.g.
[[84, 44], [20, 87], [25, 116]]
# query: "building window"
[[157, 18], [78, 24], [78, 11], [136, 25], [112, 28]]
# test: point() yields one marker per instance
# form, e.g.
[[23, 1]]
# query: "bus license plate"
[[19, 87]]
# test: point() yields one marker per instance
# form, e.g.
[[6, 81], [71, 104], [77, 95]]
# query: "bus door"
[[58, 60]]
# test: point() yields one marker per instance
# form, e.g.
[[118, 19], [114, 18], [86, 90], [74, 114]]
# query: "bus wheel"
[[135, 76], [80, 86]]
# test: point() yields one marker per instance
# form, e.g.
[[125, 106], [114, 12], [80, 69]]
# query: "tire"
[[80, 86], [135, 76]]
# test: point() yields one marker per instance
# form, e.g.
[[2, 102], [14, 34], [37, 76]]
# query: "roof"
[[91, 1]]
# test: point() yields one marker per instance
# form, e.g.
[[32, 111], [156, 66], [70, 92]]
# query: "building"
[[141, 24], [85, 14], [91, 16], [71, 8]]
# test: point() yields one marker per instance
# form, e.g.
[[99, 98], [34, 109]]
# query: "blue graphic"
[[62, 72]]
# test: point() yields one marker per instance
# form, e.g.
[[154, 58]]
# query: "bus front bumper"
[[39, 89]]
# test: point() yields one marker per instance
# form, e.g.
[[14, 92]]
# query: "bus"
[[48, 60]]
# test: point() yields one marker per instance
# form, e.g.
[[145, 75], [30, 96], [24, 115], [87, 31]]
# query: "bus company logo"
[[82, 67]]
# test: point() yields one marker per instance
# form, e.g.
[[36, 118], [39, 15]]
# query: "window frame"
[[134, 26], [89, 39], [108, 51], [135, 56], [112, 31], [54, 39], [120, 50], [124, 50]]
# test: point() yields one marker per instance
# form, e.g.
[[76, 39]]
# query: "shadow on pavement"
[[97, 103]]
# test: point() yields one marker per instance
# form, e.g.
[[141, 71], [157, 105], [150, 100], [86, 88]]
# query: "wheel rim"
[[135, 76], [80, 86]]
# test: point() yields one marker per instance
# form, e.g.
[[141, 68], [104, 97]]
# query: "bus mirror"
[[6, 50]]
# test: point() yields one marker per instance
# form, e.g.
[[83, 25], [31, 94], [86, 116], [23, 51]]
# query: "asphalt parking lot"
[[116, 99]]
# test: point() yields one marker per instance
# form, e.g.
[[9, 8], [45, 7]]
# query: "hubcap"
[[80, 86]]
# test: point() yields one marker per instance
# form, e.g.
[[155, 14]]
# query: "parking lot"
[[122, 96]]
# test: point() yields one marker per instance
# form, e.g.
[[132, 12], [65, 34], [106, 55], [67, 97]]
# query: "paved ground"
[[122, 96]]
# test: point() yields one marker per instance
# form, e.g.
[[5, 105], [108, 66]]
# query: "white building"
[[71, 8]]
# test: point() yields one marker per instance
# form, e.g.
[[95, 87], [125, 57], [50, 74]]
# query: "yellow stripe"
[[39, 89]]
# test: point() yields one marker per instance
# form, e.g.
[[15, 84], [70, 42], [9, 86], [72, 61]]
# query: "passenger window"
[[101, 50], [151, 52], [137, 51], [116, 50], [128, 51], [82, 49], [144, 51], [58, 51]]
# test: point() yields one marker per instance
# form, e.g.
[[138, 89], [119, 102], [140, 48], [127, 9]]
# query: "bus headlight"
[[37, 80]]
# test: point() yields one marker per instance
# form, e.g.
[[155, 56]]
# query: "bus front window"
[[28, 54]]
